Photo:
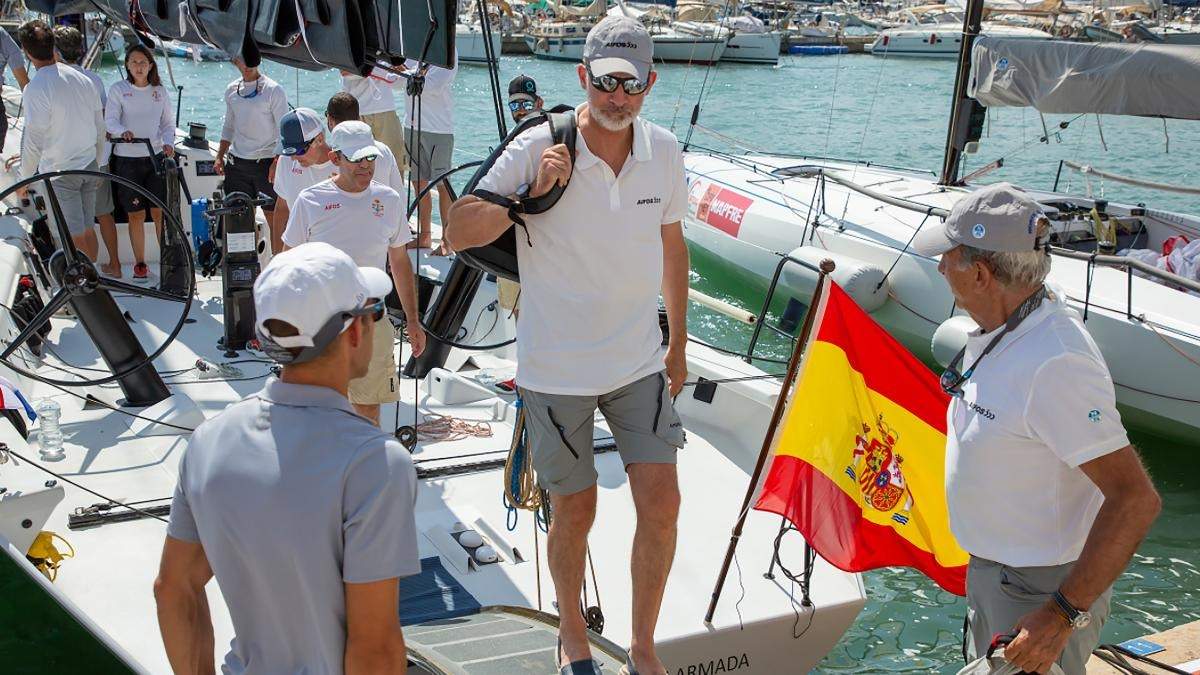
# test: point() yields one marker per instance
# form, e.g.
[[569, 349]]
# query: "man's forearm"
[[474, 222], [279, 219], [406, 285], [187, 632], [369, 659], [1119, 528], [222, 148], [676, 264]]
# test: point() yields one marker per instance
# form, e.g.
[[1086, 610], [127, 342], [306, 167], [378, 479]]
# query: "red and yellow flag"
[[859, 454]]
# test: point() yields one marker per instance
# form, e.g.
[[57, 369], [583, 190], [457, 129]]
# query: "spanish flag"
[[859, 454]]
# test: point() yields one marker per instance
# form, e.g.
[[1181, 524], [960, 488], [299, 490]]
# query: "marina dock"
[[1182, 647]]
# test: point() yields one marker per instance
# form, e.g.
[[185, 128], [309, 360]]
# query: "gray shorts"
[[77, 197], [558, 430], [104, 196], [999, 595], [428, 153]]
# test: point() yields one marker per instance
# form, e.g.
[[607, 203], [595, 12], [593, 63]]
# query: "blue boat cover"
[[434, 594]]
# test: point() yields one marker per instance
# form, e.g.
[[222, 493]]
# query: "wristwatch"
[[1077, 618]]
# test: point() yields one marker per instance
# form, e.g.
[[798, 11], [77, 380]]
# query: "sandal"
[[581, 667]]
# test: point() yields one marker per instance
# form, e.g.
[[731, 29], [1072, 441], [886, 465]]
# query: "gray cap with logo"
[[999, 217], [619, 44]]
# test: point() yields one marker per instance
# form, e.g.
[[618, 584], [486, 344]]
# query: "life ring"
[[541, 15], [1064, 32]]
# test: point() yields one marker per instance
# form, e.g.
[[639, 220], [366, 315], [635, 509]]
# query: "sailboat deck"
[[109, 580]]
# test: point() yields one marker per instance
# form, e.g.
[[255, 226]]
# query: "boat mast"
[[960, 108]]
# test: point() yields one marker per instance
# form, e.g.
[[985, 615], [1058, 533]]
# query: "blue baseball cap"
[[297, 129]]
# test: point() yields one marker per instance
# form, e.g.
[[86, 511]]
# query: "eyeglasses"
[[528, 106], [375, 309], [952, 381], [609, 83], [360, 160], [252, 94]]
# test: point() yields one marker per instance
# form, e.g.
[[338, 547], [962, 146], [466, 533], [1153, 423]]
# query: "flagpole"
[[826, 268]]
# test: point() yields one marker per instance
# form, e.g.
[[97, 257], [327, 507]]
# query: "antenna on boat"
[[961, 106]]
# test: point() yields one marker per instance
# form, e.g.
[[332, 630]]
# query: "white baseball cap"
[[308, 287], [354, 140]]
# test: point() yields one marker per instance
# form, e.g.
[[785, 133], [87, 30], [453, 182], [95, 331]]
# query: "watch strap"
[[1067, 608]]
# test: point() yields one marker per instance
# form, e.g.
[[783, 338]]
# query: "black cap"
[[522, 87]]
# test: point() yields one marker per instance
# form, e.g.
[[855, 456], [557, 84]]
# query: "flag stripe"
[[832, 522], [884, 363]]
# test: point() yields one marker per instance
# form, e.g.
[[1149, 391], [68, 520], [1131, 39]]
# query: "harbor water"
[[890, 111]]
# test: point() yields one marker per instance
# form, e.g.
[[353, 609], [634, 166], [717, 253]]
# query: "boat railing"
[[1129, 265], [784, 261]]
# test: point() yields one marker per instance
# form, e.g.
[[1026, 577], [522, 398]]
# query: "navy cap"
[[297, 129]]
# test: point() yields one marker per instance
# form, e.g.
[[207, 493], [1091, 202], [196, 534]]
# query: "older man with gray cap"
[[302, 509], [1044, 490], [591, 272]]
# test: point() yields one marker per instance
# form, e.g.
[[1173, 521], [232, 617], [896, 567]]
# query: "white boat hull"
[[940, 41], [1155, 364], [753, 48], [469, 42]]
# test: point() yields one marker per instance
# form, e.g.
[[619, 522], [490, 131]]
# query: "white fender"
[[861, 280], [950, 337]]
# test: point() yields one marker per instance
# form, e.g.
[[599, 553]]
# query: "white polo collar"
[[640, 152]]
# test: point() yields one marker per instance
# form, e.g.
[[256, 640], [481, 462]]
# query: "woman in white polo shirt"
[[138, 107], [1043, 488]]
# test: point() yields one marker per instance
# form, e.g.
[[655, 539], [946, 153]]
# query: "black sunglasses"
[[370, 158], [514, 106], [609, 83]]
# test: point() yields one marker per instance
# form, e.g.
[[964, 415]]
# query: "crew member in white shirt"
[[376, 98], [430, 140], [13, 59], [68, 42], [254, 106], [1044, 490], [303, 162], [591, 272], [343, 107], [64, 130], [304, 157], [139, 108], [366, 220]]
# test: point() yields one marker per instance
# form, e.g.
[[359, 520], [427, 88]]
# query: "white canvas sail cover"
[[1075, 77]]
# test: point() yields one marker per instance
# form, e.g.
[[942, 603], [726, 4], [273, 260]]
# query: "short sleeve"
[[677, 202], [517, 164], [1072, 409], [182, 524], [379, 526], [12, 51], [296, 230], [390, 169], [283, 180]]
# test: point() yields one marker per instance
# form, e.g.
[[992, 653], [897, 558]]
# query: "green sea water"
[[856, 107]]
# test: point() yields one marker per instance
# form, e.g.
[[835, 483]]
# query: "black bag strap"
[[562, 131]]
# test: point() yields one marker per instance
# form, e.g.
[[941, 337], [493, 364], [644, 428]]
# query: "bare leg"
[[87, 243], [424, 217], [157, 216], [370, 412], [444, 204], [655, 490], [566, 551], [108, 232], [137, 235]]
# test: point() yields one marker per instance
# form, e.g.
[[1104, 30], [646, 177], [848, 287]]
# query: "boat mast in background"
[[961, 107]]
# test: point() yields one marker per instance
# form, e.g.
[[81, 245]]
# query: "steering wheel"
[[78, 276]]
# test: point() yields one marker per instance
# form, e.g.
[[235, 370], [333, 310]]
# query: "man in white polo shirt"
[[64, 130], [254, 106], [1044, 490], [366, 220], [302, 509], [591, 272], [304, 157]]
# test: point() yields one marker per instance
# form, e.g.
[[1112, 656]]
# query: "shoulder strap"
[[562, 130]]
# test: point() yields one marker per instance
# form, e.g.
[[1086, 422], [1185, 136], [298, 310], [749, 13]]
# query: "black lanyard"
[[952, 379]]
